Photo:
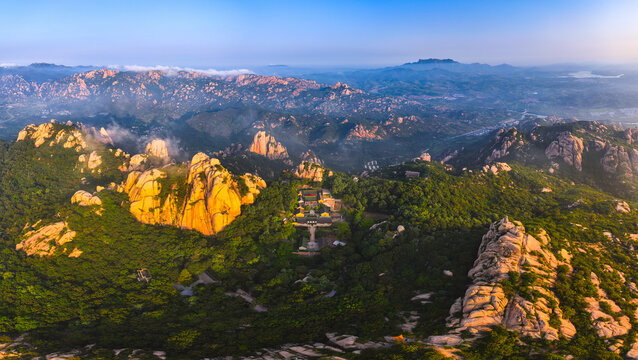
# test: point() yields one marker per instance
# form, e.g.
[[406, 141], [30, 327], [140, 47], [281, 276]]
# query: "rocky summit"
[[508, 253], [211, 196]]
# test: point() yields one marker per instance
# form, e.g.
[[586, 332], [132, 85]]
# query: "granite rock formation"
[[265, 144], [210, 199]]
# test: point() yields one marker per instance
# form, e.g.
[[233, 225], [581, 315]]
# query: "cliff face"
[[212, 197], [266, 145], [506, 250], [618, 160]]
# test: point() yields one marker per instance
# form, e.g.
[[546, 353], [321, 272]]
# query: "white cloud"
[[8, 65], [173, 70], [590, 75]]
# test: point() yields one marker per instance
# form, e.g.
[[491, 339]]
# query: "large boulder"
[[84, 198]]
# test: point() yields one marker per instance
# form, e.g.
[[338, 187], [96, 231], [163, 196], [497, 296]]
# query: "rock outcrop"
[[360, 132], [44, 240], [84, 198], [497, 168], [606, 325], [622, 206], [137, 162], [156, 155], [92, 161], [310, 156], [505, 250], [49, 132], [157, 148], [266, 145], [619, 161], [253, 185], [425, 157], [503, 142], [567, 147], [210, 199], [311, 171]]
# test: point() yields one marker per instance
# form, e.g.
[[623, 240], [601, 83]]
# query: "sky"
[[239, 34]]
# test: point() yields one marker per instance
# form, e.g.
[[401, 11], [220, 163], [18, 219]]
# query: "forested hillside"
[[409, 245]]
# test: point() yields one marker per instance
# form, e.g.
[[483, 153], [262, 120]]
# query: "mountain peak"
[[45, 65]]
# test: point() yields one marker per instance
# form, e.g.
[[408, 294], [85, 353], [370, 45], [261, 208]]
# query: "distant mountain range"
[[340, 115], [43, 71], [212, 112], [432, 61]]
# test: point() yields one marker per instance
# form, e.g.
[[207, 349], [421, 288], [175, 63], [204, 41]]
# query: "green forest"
[[65, 303]]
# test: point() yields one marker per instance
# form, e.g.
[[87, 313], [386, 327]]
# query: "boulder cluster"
[[85, 198], [39, 134]]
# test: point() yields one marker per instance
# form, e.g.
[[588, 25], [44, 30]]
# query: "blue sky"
[[320, 32]]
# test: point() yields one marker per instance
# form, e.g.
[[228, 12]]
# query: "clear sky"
[[238, 33]]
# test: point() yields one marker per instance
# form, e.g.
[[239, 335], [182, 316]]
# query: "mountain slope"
[[412, 234]]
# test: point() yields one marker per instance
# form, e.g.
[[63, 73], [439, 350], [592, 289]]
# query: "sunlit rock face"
[[47, 133], [45, 240], [157, 148], [311, 168], [206, 199], [266, 145], [84, 198], [507, 249]]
